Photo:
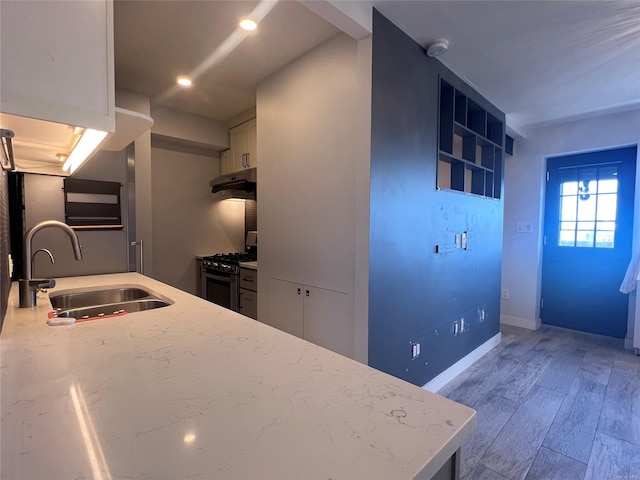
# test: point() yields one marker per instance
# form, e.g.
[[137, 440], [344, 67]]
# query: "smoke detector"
[[437, 48]]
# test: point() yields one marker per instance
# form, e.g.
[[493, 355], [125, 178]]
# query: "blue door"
[[587, 240]]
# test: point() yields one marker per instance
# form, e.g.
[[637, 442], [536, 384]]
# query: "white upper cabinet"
[[242, 153], [56, 62]]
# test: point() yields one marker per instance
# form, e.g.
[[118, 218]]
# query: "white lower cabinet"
[[316, 314], [286, 306], [248, 304]]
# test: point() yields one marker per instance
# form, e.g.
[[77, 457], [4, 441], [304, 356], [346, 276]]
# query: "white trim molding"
[[529, 323], [461, 365]]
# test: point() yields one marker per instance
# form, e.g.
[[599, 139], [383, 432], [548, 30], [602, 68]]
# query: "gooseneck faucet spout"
[[29, 286], [44, 250]]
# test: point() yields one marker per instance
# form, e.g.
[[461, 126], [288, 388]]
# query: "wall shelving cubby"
[[471, 140]]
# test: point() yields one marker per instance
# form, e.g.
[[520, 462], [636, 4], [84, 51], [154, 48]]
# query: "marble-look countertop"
[[195, 391], [251, 265]]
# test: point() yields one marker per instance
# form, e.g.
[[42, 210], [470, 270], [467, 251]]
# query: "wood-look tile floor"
[[552, 404]]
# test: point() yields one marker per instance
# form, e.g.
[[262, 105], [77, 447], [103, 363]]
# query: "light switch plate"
[[523, 226]]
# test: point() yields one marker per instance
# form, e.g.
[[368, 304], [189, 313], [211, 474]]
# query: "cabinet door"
[[252, 150], [58, 62], [285, 306], [243, 151], [238, 148], [249, 303], [328, 320]]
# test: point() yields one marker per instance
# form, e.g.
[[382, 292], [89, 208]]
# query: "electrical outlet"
[[482, 315], [456, 328], [415, 350], [505, 294], [463, 325]]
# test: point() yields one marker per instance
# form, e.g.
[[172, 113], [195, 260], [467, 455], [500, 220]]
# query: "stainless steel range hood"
[[236, 185]]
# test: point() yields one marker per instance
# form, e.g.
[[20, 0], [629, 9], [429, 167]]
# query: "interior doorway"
[[588, 230]]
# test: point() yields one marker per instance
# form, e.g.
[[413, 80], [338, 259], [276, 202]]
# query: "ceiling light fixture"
[[248, 24], [184, 81], [437, 48], [86, 146]]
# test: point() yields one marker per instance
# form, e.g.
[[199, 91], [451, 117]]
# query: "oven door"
[[220, 288]]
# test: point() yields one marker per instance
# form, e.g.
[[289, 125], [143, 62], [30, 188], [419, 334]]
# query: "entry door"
[[587, 240]]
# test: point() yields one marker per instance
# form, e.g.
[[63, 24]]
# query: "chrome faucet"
[[29, 286]]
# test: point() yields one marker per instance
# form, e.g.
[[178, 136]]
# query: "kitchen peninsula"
[[193, 390]]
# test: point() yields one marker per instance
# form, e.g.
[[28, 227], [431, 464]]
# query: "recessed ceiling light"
[[184, 81], [248, 24]]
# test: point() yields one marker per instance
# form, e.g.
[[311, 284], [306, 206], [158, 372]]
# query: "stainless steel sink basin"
[[112, 308], [83, 303]]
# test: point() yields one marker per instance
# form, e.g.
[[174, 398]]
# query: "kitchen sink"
[[82, 297], [85, 303]]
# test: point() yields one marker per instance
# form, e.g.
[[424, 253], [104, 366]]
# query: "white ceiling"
[[538, 61], [156, 41]]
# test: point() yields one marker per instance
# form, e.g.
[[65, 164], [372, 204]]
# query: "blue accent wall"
[[416, 294]]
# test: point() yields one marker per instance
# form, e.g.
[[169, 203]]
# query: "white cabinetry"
[[242, 153], [248, 305], [57, 62], [309, 139], [318, 315]]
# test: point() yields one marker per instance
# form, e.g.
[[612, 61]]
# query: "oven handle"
[[213, 276]]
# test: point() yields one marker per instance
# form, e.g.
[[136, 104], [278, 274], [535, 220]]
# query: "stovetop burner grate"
[[231, 258]]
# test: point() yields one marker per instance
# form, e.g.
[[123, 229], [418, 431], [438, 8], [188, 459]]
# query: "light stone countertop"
[[251, 265], [195, 391]]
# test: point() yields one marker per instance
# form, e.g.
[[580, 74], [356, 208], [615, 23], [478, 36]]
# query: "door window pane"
[[569, 187], [567, 238], [604, 239], [608, 185], [584, 238], [588, 207], [607, 205], [569, 207]]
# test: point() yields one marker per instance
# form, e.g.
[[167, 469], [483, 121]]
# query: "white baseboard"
[[461, 365], [628, 343], [529, 323]]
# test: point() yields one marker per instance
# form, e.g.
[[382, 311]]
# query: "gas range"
[[227, 262]]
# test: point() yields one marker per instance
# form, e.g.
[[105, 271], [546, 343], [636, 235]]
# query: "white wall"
[[524, 201], [189, 220], [197, 130]]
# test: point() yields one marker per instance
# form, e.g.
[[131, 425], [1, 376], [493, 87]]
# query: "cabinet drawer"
[[249, 279]]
